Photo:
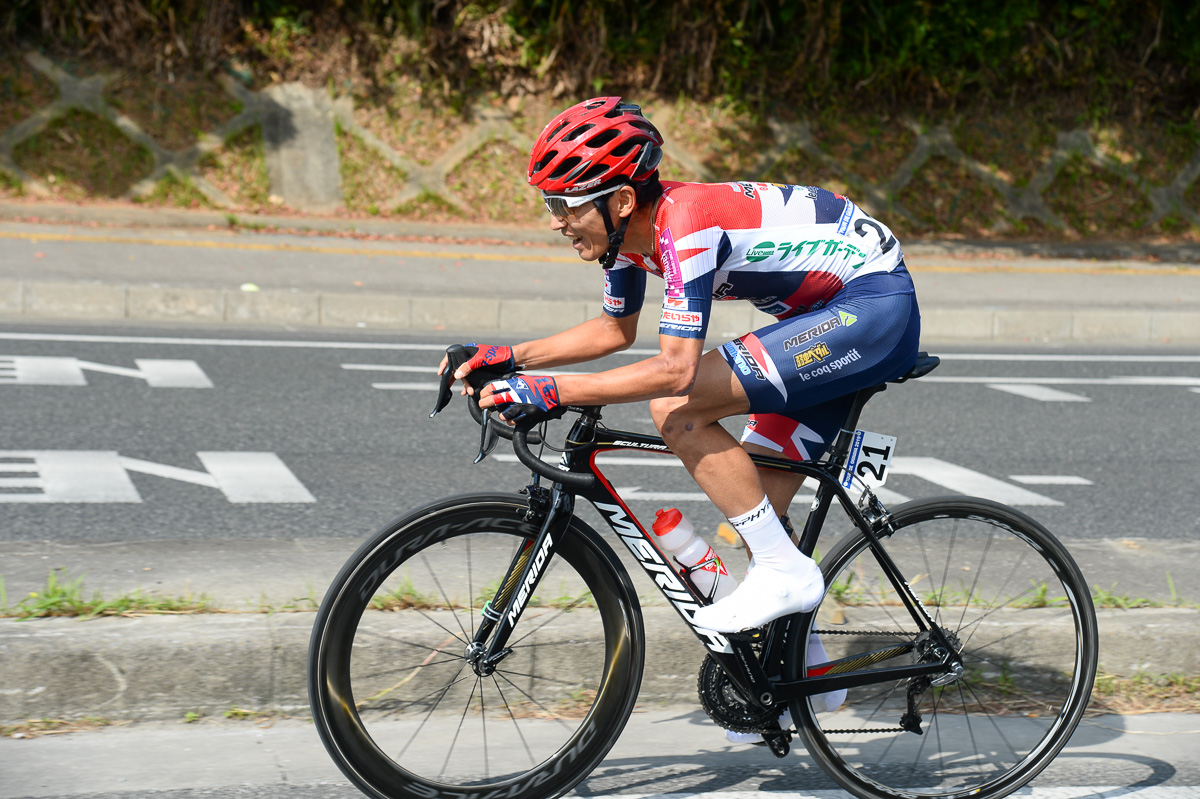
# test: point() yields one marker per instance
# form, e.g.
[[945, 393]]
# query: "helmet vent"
[[554, 132], [601, 139], [624, 148], [577, 132], [598, 170], [566, 166]]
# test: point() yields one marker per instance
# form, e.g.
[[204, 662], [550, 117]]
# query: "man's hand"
[[525, 397], [491, 359]]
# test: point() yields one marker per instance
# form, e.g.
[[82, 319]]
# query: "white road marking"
[[1035, 792], [934, 470], [406, 386], [1050, 480], [967, 481], [70, 476], [1127, 380], [1036, 392], [368, 345], [57, 371]]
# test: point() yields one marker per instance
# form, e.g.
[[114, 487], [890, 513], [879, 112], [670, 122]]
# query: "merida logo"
[[662, 573], [761, 251]]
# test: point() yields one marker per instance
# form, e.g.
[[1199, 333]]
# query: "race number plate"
[[870, 458]]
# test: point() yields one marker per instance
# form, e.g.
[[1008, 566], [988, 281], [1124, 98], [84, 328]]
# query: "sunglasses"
[[561, 206]]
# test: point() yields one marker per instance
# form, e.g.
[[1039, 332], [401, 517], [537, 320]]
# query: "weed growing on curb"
[[35, 728], [64, 596]]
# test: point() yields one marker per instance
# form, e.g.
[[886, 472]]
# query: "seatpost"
[[845, 436]]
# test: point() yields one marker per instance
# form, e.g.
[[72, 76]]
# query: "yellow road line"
[[262, 247], [914, 265]]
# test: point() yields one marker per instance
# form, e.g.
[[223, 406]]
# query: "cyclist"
[[831, 275]]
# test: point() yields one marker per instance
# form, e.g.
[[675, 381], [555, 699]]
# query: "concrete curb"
[[162, 667], [134, 216], [79, 301]]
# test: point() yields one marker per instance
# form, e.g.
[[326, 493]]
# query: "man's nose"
[[556, 223]]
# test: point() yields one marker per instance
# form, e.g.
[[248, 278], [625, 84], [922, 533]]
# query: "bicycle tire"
[[1025, 625], [395, 702]]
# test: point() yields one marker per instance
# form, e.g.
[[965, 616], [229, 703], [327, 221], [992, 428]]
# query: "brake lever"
[[456, 356], [488, 436]]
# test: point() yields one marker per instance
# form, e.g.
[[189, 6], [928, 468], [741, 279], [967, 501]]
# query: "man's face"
[[584, 226]]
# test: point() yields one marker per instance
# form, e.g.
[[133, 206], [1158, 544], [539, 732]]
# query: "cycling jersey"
[[787, 249]]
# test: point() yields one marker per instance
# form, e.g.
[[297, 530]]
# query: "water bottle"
[[701, 566]]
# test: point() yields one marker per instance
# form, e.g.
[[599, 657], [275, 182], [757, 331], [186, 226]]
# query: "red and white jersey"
[[787, 249]]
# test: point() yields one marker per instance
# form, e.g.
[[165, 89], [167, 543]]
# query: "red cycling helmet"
[[598, 143]]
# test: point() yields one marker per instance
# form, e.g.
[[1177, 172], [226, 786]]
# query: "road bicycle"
[[492, 645]]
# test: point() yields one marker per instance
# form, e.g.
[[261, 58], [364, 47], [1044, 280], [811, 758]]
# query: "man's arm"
[[670, 373], [588, 341]]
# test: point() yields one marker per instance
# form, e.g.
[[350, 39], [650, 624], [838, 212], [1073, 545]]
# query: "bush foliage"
[[1120, 56]]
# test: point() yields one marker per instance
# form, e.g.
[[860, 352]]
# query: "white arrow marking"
[[1037, 392], [64, 476], [46, 371]]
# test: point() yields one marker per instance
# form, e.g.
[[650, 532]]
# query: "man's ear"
[[626, 200]]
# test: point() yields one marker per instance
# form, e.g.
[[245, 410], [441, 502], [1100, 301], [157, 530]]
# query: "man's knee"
[[663, 409]]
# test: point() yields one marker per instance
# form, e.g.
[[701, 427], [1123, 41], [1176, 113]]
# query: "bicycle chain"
[[866, 632], [860, 732]]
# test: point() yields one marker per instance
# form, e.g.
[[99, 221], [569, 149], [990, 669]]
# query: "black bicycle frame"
[[734, 652]]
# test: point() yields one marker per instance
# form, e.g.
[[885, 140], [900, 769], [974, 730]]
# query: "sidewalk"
[[460, 277]]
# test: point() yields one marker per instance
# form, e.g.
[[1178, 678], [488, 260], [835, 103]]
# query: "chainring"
[[725, 704]]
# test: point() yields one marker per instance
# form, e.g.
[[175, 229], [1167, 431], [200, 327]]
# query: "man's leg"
[[783, 581]]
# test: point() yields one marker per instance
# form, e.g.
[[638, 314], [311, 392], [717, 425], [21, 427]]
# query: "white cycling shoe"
[[765, 595]]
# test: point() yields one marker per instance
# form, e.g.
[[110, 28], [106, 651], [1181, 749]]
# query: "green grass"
[[64, 596]]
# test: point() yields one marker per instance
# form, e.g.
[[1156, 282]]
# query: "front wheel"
[[1019, 615], [395, 698]]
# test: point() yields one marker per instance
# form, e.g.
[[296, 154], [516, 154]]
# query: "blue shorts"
[[807, 368]]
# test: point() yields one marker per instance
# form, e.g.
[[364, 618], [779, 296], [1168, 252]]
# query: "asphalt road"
[[1095, 444]]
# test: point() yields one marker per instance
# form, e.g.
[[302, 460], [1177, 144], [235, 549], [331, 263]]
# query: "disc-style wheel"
[[1016, 611], [399, 695]]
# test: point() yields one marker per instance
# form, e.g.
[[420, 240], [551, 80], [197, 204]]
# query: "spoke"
[[946, 564], [548, 619], [516, 725], [550, 680], [992, 720], [978, 574], [962, 697], [445, 596], [433, 708], [470, 586], [487, 775], [427, 662], [550, 714], [461, 720]]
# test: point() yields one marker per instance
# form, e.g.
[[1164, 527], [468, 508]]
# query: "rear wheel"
[[1017, 611], [394, 694]]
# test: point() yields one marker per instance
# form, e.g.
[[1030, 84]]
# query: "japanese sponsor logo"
[[614, 303], [818, 248], [761, 251], [670, 264], [833, 366], [817, 352], [676, 314], [811, 333]]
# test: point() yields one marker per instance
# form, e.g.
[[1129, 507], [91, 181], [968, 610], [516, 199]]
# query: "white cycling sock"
[[783, 580], [768, 540]]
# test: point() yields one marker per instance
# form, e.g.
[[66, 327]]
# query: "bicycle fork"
[[489, 645]]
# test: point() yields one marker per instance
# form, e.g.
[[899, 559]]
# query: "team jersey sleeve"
[[691, 247], [624, 288]]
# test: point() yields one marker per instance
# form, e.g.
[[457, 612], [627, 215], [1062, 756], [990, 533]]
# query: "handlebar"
[[521, 435]]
